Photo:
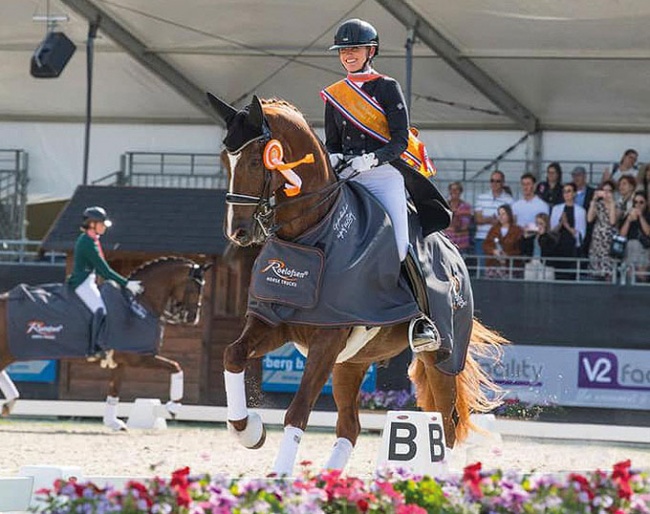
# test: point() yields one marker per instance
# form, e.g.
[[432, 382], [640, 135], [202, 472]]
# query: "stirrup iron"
[[424, 344]]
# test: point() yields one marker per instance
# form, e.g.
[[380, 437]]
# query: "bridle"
[[266, 202], [179, 311]]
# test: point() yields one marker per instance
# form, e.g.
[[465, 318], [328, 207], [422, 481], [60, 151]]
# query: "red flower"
[[621, 477], [362, 505], [180, 484], [584, 484], [472, 478]]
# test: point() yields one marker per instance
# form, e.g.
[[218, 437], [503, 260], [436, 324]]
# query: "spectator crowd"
[[558, 227]]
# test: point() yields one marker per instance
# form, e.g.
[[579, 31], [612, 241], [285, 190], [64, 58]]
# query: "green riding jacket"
[[88, 257]]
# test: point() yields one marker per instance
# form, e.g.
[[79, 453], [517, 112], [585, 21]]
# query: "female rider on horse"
[[369, 157], [89, 262]]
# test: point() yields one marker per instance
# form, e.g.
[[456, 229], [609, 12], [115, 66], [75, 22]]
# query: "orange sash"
[[367, 115]]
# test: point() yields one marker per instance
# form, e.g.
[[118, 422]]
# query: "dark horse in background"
[[173, 289], [256, 206]]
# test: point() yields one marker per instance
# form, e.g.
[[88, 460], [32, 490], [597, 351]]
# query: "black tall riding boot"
[[423, 333], [97, 346]]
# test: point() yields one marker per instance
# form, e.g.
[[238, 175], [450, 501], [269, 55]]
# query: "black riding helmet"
[[96, 213], [356, 32]]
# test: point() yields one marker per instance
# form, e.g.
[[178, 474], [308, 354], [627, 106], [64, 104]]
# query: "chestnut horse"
[[257, 205], [173, 288]]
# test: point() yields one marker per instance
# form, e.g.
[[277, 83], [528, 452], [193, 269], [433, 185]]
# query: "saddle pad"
[[51, 322], [361, 282]]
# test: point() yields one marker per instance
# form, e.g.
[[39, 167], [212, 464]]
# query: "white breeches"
[[89, 294], [387, 185]]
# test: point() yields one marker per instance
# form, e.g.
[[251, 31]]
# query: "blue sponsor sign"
[[33, 371], [282, 370]]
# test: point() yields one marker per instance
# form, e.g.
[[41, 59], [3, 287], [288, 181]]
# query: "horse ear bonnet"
[[246, 126]]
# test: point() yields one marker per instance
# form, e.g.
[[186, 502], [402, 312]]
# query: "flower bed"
[[623, 490]]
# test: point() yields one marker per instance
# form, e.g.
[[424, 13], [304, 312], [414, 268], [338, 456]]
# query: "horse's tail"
[[475, 389]]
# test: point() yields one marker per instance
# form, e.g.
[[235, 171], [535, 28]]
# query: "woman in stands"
[[89, 262], [551, 189], [636, 227], [602, 213], [503, 240], [461, 221]]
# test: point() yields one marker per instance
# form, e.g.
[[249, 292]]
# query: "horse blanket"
[[51, 322], [342, 272]]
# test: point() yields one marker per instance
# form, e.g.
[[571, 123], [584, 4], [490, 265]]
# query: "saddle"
[[50, 321]]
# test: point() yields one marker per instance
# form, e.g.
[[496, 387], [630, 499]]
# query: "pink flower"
[[411, 509]]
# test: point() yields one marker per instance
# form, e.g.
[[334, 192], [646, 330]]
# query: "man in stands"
[[485, 213], [584, 195], [525, 211]]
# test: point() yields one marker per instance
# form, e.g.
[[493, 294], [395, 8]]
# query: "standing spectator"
[[546, 240], [626, 187], [625, 167], [485, 213], [571, 221], [585, 192], [584, 196], [636, 227], [551, 189], [643, 179], [602, 214], [525, 210], [503, 239], [461, 220]]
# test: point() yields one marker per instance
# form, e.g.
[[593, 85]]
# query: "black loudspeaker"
[[52, 55]]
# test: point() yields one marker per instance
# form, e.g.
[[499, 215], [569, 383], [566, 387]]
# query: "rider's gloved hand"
[[364, 162], [336, 159], [135, 287]]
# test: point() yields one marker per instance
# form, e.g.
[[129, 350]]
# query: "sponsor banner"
[[282, 371], [33, 371], [582, 377]]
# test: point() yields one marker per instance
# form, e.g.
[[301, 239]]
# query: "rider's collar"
[[366, 75]]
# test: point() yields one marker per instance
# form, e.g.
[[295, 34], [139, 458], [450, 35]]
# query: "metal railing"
[[13, 193], [552, 269], [162, 169], [25, 251], [204, 170]]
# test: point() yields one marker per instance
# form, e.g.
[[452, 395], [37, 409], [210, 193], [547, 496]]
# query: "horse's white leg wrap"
[[235, 395], [7, 387], [110, 414], [176, 386], [340, 454], [288, 451]]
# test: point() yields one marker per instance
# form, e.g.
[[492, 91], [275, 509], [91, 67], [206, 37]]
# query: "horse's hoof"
[[116, 425], [253, 436], [7, 407], [173, 408]]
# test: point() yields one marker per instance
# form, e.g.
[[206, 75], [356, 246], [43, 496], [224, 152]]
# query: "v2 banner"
[[581, 377]]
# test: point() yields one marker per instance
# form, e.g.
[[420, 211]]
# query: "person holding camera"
[[602, 213], [636, 228]]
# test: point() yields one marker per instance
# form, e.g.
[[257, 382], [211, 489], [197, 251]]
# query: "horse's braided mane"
[[280, 103], [159, 261]]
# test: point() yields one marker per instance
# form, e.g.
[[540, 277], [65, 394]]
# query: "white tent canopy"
[[578, 65]]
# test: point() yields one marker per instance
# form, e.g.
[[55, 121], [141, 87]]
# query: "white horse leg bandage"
[[7, 387], [235, 395], [288, 451], [340, 454], [176, 386], [110, 414]]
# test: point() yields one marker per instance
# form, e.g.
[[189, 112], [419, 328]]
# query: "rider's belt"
[[368, 116]]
